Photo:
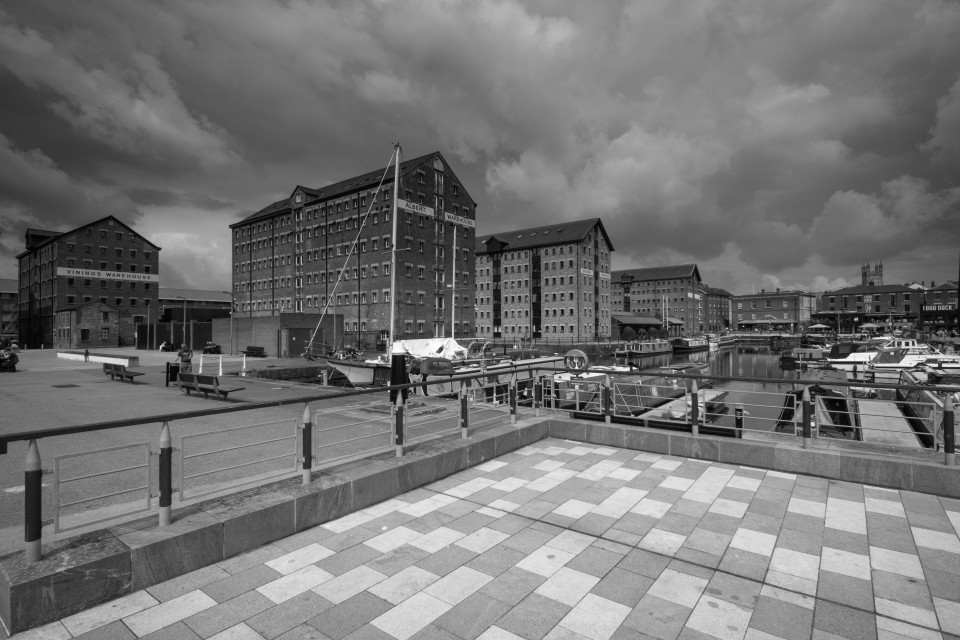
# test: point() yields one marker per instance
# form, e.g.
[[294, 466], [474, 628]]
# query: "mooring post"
[[513, 398], [738, 420], [694, 408], [32, 503], [166, 474], [949, 426], [307, 468], [607, 400], [807, 417]]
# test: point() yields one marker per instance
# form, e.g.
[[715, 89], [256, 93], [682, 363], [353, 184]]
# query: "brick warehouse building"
[[674, 291], [104, 261], [289, 256], [545, 282], [778, 310]]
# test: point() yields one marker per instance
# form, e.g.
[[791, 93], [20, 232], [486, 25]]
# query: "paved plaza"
[[562, 540]]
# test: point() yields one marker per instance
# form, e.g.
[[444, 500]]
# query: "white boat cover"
[[433, 348]]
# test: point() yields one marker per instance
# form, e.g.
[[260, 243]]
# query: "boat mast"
[[453, 284], [393, 240]]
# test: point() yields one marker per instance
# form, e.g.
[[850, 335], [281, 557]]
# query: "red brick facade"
[[104, 261], [330, 248]]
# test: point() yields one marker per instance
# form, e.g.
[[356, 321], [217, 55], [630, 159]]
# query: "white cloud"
[[132, 106], [945, 133]]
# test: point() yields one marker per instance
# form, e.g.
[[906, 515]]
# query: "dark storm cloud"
[[783, 141]]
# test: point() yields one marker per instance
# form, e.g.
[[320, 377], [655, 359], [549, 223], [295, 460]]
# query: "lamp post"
[[184, 317], [231, 319]]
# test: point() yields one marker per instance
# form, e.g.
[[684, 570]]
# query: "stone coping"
[[96, 567], [106, 358]]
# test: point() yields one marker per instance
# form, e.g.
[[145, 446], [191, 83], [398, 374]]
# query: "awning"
[[631, 320], [675, 321], [818, 326]]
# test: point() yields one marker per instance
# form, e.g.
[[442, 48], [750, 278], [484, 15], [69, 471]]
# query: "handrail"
[[20, 436]]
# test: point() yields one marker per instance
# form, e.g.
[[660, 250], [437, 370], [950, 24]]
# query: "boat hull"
[[363, 374], [690, 348], [635, 349]]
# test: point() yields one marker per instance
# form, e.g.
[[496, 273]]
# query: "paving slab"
[[722, 553]]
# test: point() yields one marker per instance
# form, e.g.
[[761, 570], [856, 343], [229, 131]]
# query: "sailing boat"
[[376, 372], [365, 373]]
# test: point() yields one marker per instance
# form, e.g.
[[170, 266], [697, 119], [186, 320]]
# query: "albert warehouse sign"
[[97, 274]]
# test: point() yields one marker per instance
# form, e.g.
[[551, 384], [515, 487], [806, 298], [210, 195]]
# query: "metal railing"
[[335, 428], [64, 482], [214, 465]]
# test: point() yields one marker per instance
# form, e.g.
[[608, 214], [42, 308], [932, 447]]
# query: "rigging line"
[[363, 223]]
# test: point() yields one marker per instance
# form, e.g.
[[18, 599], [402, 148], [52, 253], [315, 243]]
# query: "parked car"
[[212, 347]]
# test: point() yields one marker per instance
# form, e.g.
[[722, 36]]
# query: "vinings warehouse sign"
[[98, 274]]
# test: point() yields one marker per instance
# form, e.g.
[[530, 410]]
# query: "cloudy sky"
[[772, 142]]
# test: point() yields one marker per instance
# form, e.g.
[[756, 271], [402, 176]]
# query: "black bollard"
[[738, 420], [607, 400], [464, 411], [32, 503], [307, 469], [694, 409], [398, 375], [949, 428], [166, 475], [398, 397], [807, 416]]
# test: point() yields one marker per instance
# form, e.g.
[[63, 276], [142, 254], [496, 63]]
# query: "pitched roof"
[[552, 234], [867, 289], [193, 295], [715, 291], [631, 319], [350, 185], [642, 274], [949, 286], [36, 238]]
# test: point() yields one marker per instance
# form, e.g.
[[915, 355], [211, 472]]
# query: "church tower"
[[872, 277]]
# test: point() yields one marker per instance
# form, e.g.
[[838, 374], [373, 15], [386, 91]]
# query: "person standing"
[[185, 355]]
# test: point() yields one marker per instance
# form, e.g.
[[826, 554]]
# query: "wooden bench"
[[119, 371], [255, 352], [205, 384]]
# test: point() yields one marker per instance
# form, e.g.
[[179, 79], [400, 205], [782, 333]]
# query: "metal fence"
[[316, 431]]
